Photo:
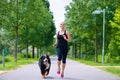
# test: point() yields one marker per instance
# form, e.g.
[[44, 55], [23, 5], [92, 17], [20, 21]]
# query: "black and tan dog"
[[44, 64]]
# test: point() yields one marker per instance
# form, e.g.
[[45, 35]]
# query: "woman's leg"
[[59, 63], [59, 59], [64, 56], [63, 68]]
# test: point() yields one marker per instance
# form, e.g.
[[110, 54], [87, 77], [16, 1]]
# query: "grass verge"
[[112, 68], [11, 65]]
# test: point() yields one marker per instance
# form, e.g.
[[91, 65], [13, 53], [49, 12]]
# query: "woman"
[[62, 39]]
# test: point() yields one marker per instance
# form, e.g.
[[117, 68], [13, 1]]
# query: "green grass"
[[10, 64], [108, 67], [114, 71], [92, 63]]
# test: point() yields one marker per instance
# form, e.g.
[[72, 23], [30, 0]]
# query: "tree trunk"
[[16, 30], [27, 52], [38, 52], [85, 51], [75, 51], [33, 52], [16, 50], [96, 46], [81, 50]]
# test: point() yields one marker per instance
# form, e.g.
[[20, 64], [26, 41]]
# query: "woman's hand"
[[64, 37], [68, 38]]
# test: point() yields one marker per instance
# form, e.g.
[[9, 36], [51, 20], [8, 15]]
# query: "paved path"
[[74, 71]]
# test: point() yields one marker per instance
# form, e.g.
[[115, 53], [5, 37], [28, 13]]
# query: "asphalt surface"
[[73, 71]]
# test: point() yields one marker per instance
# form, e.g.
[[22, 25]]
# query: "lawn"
[[10, 64], [112, 68]]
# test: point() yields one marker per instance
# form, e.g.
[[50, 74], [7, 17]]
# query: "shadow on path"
[[59, 78]]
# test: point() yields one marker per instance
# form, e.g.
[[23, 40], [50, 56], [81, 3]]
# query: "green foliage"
[[40, 26], [23, 55], [87, 28], [114, 46], [25, 22]]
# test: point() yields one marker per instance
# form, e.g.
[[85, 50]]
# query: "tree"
[[27, 19], [114, 46], [86, 27]]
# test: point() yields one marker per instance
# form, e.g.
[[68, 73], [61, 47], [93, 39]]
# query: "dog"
[[44, 65]]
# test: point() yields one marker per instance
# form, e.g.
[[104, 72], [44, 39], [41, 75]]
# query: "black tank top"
[[62, 43]]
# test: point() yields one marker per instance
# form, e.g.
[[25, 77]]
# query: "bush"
[[112, 58], [8, 60], [23, 55]]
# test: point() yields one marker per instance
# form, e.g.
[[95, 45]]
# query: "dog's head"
[[45, 59]]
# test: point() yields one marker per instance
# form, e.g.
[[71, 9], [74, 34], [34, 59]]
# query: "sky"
[[58, 9]]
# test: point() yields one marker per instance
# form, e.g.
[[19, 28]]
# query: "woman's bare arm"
[[56, 40], [68, 35]]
